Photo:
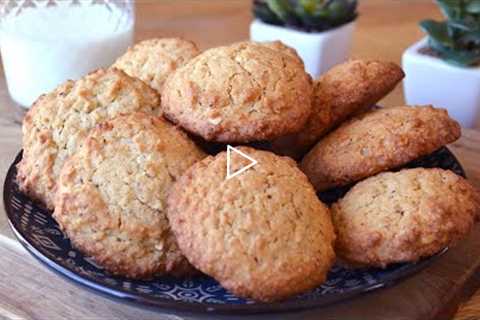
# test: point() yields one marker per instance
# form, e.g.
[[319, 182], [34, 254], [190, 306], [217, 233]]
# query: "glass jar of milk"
[[46, 42]]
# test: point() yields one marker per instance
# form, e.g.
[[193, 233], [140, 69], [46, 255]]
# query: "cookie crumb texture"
[[377, 141], [239, 93], [280, 46], [262, 234], [58, 122], [403, 216], [153, 60], [111, 199]]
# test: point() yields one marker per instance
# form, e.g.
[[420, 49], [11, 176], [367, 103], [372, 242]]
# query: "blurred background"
[[385, 28], [378, 29]]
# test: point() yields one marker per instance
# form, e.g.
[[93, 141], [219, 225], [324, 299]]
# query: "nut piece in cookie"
[[111, 199], [240, 93], [377, 141], [262, 234], [153, 60], [403, 216], [343, 91], [58, 122]]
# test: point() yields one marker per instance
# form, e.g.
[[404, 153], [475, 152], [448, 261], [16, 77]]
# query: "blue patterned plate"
[[39, 233]]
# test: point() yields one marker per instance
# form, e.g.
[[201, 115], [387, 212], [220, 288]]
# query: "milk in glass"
[[43, 47]]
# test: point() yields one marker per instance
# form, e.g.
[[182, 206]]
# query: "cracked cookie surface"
[[280, 46], [377, 141], [403, 216], [111, 199], [58, 122], [240, 93], [263, 234], [153, 60]]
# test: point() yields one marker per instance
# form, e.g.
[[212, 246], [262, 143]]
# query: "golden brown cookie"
[[377, 141], [403, 216], [262, 234], [111, 199], [280, 46], [153, 60], [343, 91], [239, 93], [58, 121]]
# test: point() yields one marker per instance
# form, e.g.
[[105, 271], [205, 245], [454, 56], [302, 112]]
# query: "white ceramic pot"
[[320, 51], [430, 80]]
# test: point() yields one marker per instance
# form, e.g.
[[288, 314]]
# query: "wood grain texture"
[[33, 292], [385, 28]]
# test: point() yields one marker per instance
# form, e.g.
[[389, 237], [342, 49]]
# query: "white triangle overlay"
[[236, 173]]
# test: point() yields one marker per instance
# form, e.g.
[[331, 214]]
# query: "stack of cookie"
[[114, 155]]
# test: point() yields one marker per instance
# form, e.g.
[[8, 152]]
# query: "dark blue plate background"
[[39, 233]]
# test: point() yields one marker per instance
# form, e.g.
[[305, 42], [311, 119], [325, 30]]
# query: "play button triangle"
[[231, 174]]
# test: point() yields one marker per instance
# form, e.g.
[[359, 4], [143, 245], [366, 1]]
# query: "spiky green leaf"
[[281, 8], [309, 15], [263, 12], [307, 6], [450, 9], [438, 32]]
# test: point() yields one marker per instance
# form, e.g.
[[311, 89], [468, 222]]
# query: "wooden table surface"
[[384, 30]]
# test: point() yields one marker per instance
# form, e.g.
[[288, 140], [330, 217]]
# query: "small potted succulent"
[[320, 30], [444, 68]]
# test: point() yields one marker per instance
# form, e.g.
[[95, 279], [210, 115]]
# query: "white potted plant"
[[320, 30], [444, 68]]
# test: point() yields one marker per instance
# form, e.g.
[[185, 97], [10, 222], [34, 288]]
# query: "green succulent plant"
[[456, 40], [306, 15]]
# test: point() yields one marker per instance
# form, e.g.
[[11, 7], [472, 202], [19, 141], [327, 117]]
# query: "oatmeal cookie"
[[262, 234], [377, 141], [403, 216], [240, 93], [111, 199], [58, 122], [153, 60], [343, 91]]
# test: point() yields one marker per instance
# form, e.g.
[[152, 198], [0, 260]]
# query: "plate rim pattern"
[[164, 304]]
